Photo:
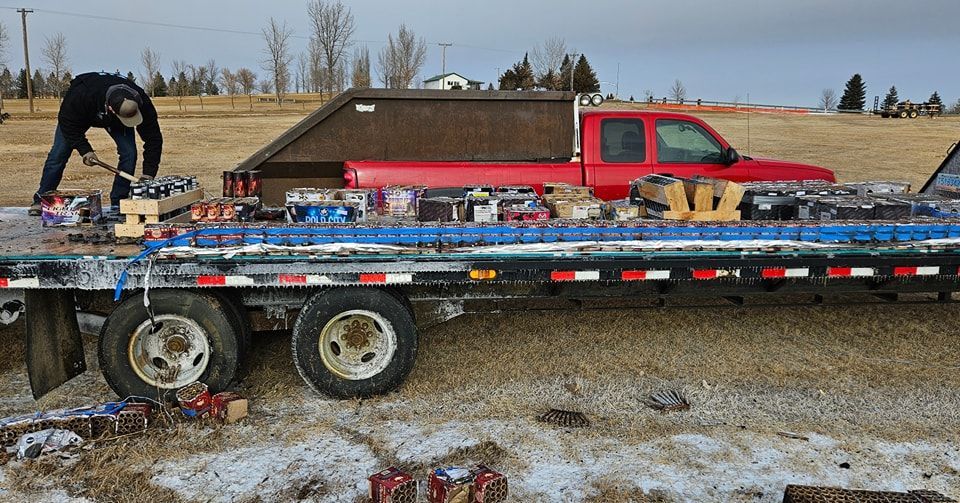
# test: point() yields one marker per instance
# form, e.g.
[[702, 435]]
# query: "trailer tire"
[[904, 114], [354, 342], [913, 114], [202, 336]]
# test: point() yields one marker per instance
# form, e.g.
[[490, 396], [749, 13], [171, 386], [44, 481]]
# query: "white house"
[[451, 81]]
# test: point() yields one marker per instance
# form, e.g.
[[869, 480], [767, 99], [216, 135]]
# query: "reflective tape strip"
[[386, 278], [715, 273], [303, 279], [849, 272], [20, 283], [574, 275], [644, 275], [916, 271], [219, 280], [784, 272]]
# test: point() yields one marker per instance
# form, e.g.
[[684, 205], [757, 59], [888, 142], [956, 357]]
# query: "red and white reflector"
[[385, 278], [20, 283], [303, 279], [849, 272], [575, 275], [224, 280], [784, 272], [916, 271], [715, 273], [644, 275]]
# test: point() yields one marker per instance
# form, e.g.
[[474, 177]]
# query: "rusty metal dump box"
[[422, 125]]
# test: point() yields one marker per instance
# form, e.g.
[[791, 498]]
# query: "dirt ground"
[[874, 386]]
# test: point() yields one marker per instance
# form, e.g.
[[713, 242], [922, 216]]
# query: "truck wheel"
[[913, 114], [354, 342], [903, 114], [193, 340]]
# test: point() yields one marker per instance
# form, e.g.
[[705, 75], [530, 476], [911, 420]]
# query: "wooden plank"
[[671, 194], [703, 216], [699, 194], [151, 219], [732, 195], [130, 230], [159, 206]]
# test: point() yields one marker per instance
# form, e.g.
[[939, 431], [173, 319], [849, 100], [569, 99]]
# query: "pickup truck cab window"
[[680, 141], [622, 140]]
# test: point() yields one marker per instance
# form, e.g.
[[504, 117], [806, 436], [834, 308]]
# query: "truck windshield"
[[686, 142]]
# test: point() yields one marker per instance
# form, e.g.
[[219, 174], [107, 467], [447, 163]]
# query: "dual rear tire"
[[347, 342]]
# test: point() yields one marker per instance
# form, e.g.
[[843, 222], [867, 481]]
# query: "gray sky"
[[778, 51]]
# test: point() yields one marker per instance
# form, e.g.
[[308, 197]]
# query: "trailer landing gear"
[[354, 342]]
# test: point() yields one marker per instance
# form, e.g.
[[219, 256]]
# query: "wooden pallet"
[[139, 212], [700, 199]]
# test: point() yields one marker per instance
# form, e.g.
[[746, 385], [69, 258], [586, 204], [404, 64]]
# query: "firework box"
[[525, 213], [577, 207], [68, 208], [400, 201], [478, 190], [194, 400], [515, 189], [890, 209], [480, 209], [325, 212], [566, 188], [624, 209], [450, 485], [365, 200], [392, 486], [879, 187], [844, 208], [439, 209], [228, 407], [489, 486]]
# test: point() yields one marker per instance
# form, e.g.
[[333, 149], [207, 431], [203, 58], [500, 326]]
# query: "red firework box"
[[228, 407], [195, 400], [489, 486], [525, 213], [68, 208], [450, 485], [392, 486]]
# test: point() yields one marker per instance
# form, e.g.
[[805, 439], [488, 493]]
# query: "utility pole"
[[573, 64], [26, 55], [617, 95], [444, 46]]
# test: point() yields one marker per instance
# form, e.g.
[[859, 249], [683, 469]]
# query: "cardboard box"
[[525, 213], [400, 201], [69, 208], [439, 209], [392, 486], [450, 485], [489, 486], [624, 209], [575, 208], [481, 209], [325, 212], [364, 199], [566, 188]]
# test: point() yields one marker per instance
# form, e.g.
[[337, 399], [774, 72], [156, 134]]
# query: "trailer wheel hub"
[[170, 354], [357, 344]]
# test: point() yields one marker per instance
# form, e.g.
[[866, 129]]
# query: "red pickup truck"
[[616, 148]]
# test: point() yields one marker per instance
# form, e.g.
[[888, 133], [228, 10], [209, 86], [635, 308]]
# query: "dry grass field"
[[875, 385]]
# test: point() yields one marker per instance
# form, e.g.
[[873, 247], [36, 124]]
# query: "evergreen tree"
[[39, 84], [159, 85], [854, 94], [566, 67], [891, 99], [935, 99], [508, 81], [22, 84], [7, 87], [131, 77], [584, 78], [172, 86], [523, 74], [548, 81], [490, 86]]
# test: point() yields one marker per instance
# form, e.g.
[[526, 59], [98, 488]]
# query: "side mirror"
[[731, 156]]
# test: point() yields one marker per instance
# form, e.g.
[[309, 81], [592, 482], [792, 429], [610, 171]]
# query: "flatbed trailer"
[[184, 315]]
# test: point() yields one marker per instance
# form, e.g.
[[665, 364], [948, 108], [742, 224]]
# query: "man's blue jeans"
[[56, 162]]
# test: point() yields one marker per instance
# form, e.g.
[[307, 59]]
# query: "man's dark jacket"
[[84, 107]]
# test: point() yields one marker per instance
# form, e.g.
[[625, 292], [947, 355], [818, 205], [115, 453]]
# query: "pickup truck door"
[[685, 148], [621, 155]]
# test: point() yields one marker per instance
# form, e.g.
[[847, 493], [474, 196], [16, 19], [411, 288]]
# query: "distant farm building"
[[453, 81]]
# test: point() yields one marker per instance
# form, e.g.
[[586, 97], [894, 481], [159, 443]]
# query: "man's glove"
[[90, 158], [145, 178]]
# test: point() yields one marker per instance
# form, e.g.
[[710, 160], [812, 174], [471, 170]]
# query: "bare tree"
[[212, 82], [55, 55], [180, 69], [828, 99], [548, 56], [247, 80], [303, 73], [678, 92], [230, 83], [265, 86], [150, 60], [400, 60], [361, 67], [4, 40], [277, 37], [333, 26], [647, 95]]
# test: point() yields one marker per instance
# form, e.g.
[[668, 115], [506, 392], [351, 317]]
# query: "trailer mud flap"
[[54, 347]]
